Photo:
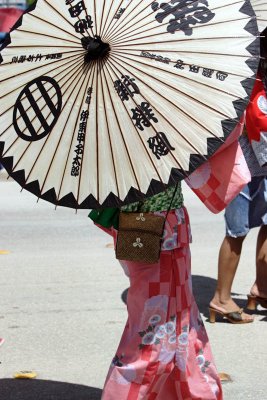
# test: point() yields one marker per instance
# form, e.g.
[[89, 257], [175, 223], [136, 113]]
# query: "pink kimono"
[[164, 352]]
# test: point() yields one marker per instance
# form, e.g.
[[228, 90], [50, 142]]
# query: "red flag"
[[256, 113], [8, 17]]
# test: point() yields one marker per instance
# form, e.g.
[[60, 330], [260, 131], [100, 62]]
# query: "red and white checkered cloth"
[[219, 180]]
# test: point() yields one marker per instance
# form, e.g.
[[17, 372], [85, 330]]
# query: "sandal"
[[235, 317], [254, 300]]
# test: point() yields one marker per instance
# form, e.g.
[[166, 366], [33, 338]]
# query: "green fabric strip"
[[109, 217], [159, 202]]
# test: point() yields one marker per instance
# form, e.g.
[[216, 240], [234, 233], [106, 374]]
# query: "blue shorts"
[[248, 210]]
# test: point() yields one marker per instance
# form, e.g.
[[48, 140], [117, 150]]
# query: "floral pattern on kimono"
[[164, 352]]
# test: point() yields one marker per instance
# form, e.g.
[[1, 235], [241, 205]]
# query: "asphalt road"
[[62, 309]]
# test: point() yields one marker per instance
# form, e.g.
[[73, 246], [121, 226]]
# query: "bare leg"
[[260, 286], [229, 257]]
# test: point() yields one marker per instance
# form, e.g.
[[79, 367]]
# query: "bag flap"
[[141, 221]]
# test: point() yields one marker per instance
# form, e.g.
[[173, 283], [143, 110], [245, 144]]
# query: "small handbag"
[[140, 235]]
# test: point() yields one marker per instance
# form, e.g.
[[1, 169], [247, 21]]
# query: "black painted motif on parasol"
[[119, 13], [159, 144], [126, 87], [142, 115], [183, 14], [95, 47], [76, 8], [84, 24], [37, 109]]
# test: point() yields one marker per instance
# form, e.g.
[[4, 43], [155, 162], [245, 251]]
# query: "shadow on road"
[[124, 296], [204, 288], [12, 389]]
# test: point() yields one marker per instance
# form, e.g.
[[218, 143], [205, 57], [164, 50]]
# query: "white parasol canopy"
[[260, 8], [105, 102]]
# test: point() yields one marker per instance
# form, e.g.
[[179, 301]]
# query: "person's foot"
[[255, 297], [229, 306], [254, 291]]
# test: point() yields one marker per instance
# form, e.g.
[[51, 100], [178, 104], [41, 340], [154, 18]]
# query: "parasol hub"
[[96, 48]]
